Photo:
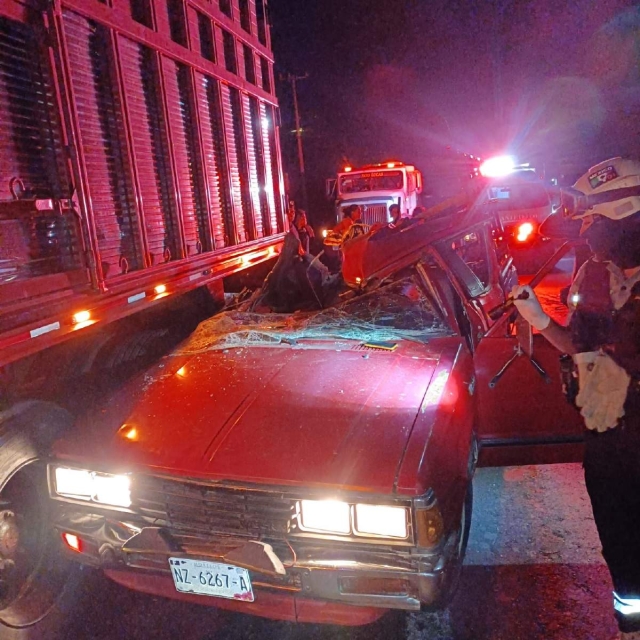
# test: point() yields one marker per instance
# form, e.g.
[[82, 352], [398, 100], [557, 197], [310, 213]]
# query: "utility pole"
[[499, 9], [303, 180]]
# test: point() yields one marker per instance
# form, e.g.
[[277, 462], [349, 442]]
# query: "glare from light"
[[161, 288], [325, 233], [358, 280], [347, 169], [575, 298], [524, 231], [265, 123], [112, 490], [436, 388], [73, 542], [381, 520], [497, 167], [326, 516], [182, 372], [246, 261], [271, 252], [81, 316], [391, 165], [74, 482]]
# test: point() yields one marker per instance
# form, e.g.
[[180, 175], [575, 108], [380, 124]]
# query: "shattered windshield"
[[398, 311]]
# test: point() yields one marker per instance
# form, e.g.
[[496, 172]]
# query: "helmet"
[[610, 189]]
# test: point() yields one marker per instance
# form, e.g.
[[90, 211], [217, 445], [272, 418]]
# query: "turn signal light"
[[430, 527], [72, 541]]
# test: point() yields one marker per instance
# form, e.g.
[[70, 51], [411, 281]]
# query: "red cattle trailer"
[[140, 158]]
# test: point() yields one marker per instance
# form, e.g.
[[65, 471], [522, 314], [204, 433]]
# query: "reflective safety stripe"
[[626, 606]]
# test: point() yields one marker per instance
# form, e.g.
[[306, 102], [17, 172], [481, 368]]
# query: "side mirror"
[[330, 188], [557, 227], [418, 182]]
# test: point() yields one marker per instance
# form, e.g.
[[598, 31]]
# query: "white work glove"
[[603, 390], [530, 309]]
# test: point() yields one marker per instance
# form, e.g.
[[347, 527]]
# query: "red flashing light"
[[525, 231], [73, 542]]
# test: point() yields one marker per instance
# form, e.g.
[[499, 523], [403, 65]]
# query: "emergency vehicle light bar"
[[498, 167]]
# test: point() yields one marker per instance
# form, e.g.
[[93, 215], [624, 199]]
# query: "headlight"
[[325, 516], [103, 488], [379, 520], [343, 518]]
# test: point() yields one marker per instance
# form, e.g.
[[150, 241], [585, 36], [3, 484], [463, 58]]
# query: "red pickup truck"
[[317, 466]]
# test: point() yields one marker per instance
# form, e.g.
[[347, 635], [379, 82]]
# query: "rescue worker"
[[603, 336]]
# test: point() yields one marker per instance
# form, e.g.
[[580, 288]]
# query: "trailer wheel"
[[37, 584]]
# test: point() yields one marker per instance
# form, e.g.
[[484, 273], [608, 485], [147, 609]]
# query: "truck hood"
[[313, 416]]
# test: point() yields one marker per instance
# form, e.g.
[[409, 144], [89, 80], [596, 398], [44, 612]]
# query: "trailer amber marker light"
[[81, 316], [129, 432]]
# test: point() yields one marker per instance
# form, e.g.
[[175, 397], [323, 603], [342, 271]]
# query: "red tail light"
[[524, 232]]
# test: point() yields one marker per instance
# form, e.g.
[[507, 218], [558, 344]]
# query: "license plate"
[[211, 579]]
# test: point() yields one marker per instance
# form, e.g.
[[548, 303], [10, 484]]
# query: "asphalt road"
[[532, 572]]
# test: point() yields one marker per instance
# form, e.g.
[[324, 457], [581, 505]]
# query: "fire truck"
[[140, 167], [375, 188]]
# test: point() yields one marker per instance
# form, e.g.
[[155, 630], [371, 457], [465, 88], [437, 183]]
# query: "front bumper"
[[322, 581]]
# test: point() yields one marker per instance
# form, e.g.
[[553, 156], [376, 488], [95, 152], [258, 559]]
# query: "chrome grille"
[[375, 213], [190, 507]]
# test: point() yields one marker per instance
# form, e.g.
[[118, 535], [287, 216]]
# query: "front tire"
[[37, 584]]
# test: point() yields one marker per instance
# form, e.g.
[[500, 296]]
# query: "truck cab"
[[375, 188]]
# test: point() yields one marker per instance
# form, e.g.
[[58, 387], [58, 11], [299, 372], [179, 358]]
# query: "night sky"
[[555, 83]]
